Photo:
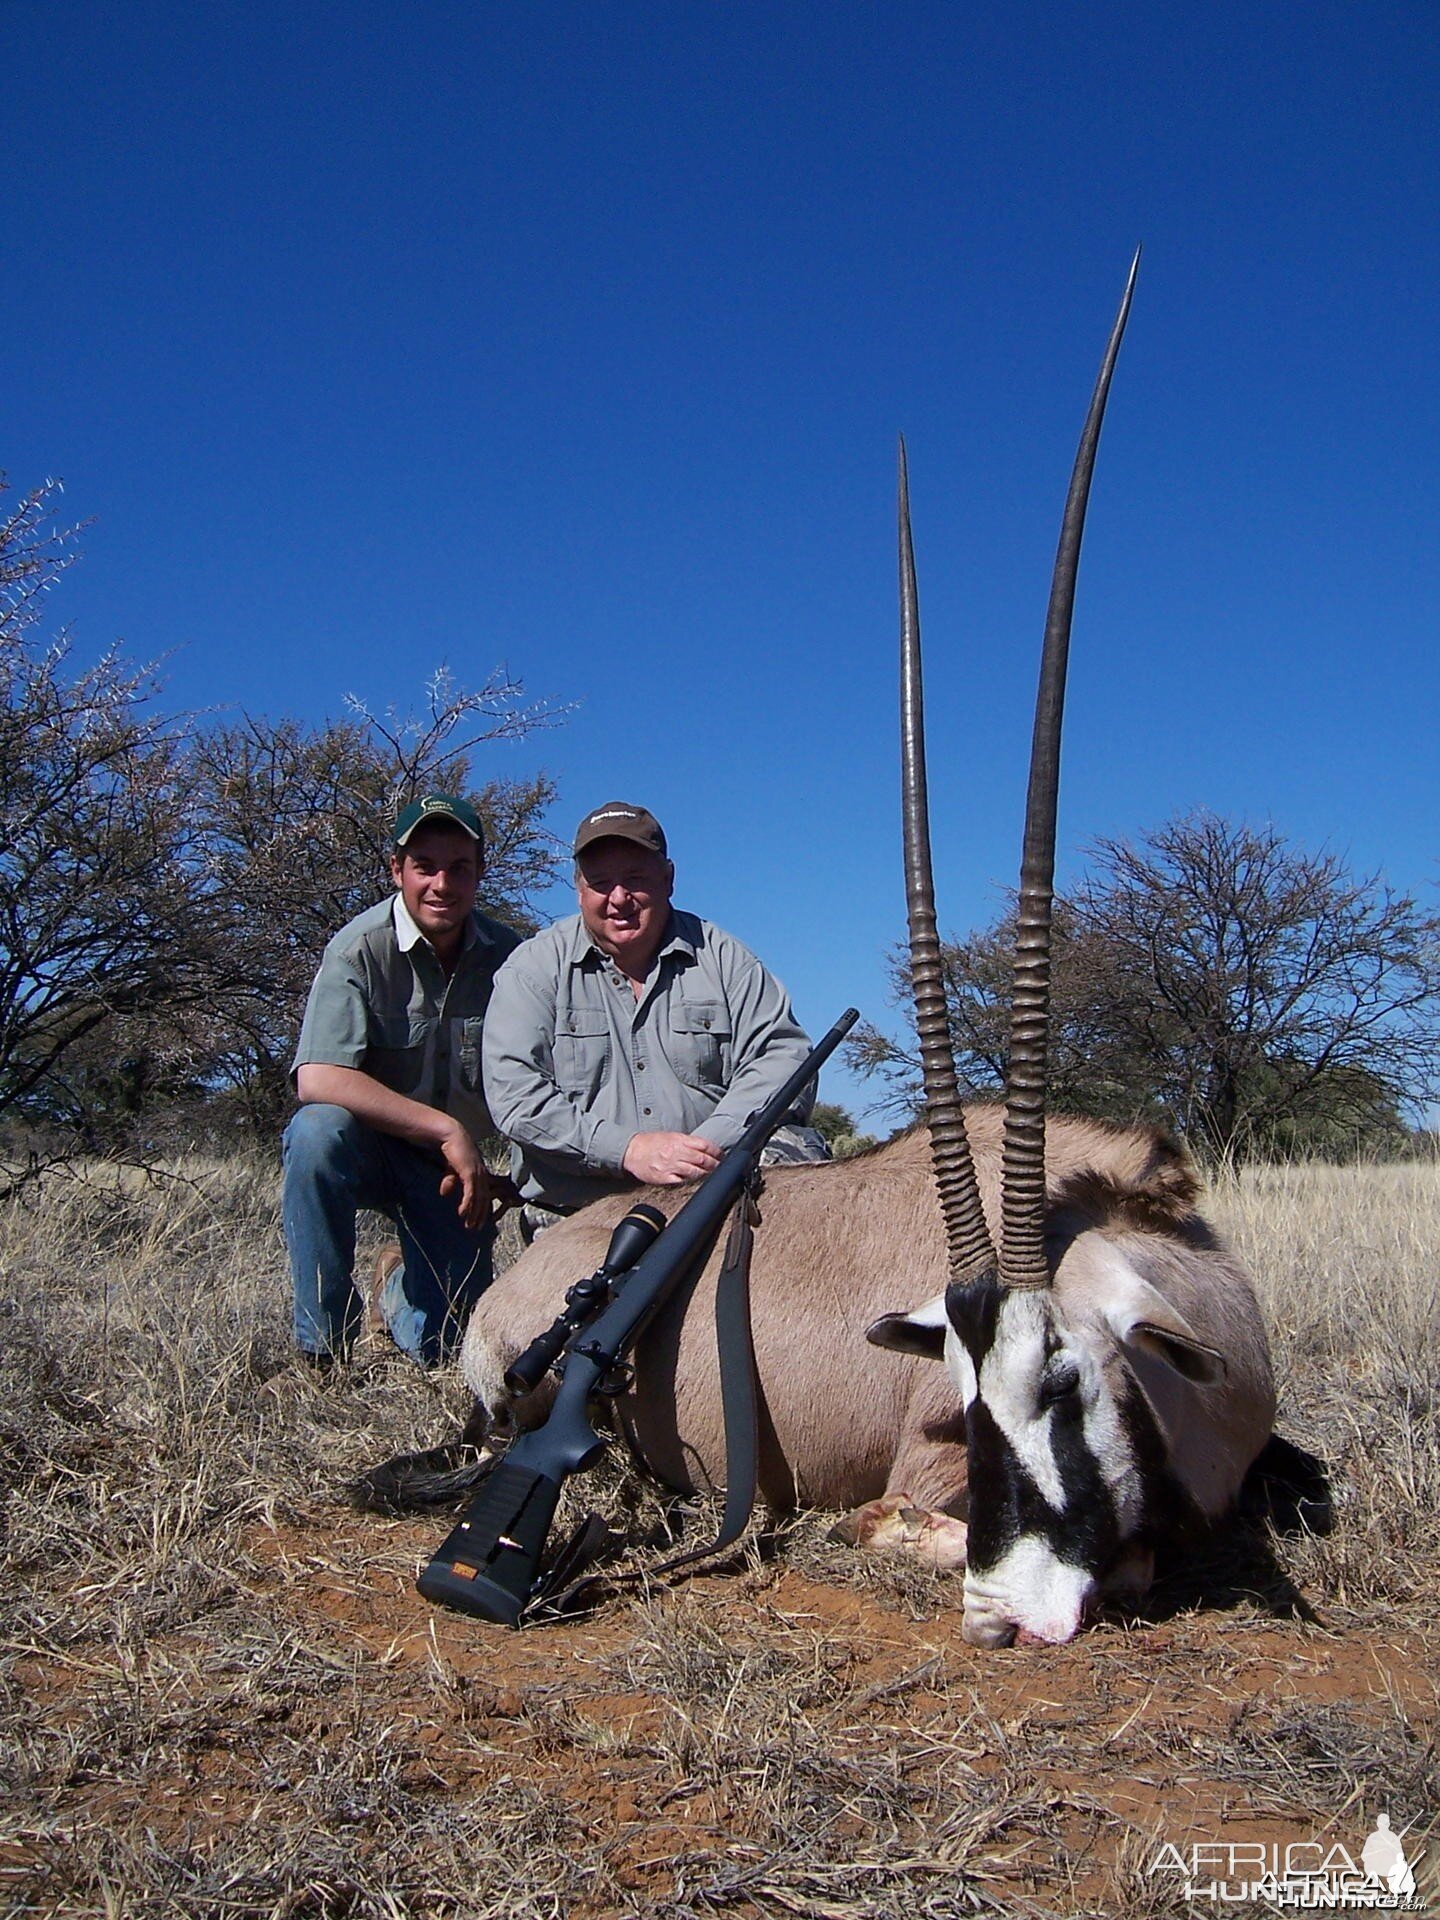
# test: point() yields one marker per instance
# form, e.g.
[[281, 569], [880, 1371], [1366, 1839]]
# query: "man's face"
[[624, 900], [437, 872]]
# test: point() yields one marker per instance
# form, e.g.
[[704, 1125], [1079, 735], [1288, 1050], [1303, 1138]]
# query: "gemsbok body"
[[1125, 1415], [1065, 1369]]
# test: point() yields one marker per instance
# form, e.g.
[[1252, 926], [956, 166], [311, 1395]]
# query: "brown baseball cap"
[[618, 820]]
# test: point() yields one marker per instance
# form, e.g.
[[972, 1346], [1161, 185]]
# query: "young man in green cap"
[[392, 1110]]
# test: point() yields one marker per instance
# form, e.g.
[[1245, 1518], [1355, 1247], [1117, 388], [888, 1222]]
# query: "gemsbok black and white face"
[[1056, 1489], [1113, 1373], [1077, 1400]]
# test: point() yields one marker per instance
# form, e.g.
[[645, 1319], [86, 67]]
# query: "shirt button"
[[646, 1112], [639, 1066]]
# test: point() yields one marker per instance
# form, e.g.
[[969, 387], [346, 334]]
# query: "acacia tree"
[[166, 892], [294, 828], [1255, 996], [1088, 1071], [1260, 985], [100, 901]]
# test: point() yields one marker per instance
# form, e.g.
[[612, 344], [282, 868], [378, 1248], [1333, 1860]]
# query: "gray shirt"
[[575, 1065], [381, 1002]]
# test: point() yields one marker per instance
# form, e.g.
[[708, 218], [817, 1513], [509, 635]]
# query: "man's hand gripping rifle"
[[490, 1564]]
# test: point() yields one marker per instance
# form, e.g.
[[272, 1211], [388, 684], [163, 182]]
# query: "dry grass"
[[223, 1697], [1348, 1263]]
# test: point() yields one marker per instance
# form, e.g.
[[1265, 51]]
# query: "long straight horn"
[[1023, 1262], [966, 1234]]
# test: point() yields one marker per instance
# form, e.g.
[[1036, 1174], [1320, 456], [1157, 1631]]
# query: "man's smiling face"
[[437, 871], [624, 894]]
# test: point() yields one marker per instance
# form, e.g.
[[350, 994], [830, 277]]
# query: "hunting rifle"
[[489, 1565]]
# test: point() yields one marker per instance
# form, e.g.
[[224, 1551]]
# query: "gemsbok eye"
[[1060, 1379]]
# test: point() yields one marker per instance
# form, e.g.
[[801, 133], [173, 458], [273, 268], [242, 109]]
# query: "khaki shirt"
[[381, 1002], [575, 1065]]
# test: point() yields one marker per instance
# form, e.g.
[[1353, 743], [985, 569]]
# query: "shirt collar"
[[408, 935], [676, 939]]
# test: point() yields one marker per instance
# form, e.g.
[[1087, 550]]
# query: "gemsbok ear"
[[1147, 1323], [1182, 1351], [921, 1331]]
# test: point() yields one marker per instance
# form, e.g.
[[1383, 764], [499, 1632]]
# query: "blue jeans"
[[334, 1165]]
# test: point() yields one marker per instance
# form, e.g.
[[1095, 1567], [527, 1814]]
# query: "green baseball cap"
[[443, 808]]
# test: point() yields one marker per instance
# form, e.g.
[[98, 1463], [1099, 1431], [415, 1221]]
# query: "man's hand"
[[669, 1159], [481, 1196]]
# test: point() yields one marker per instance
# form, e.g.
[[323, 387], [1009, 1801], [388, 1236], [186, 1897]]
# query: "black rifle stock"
[[489, 1565]]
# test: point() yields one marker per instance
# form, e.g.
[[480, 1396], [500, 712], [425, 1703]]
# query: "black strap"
[[736, 1348], [735, 1344]]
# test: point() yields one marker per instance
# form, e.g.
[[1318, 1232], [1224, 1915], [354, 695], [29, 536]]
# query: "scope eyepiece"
[[526, 1372]]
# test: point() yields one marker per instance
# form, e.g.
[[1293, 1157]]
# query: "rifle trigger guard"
[[618, 1373]]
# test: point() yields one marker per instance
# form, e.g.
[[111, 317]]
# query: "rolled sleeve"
[[336, 1029]]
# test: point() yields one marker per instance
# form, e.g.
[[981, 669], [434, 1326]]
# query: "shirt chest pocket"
[[699, 1043], [396, 1056], [582, 1051]]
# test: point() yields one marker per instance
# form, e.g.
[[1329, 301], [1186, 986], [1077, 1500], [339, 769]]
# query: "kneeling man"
[[631, 1042], [392, 1109]]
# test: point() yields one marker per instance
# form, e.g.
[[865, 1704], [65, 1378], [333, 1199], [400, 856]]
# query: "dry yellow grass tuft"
[[223, 1696]]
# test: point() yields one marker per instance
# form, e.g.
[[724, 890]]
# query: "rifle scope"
[[635, 1235]]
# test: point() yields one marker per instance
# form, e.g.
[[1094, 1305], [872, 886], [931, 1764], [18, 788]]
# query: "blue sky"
[[578, 338]]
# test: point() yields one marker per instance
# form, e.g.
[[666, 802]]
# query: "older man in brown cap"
[[631, 1042]]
